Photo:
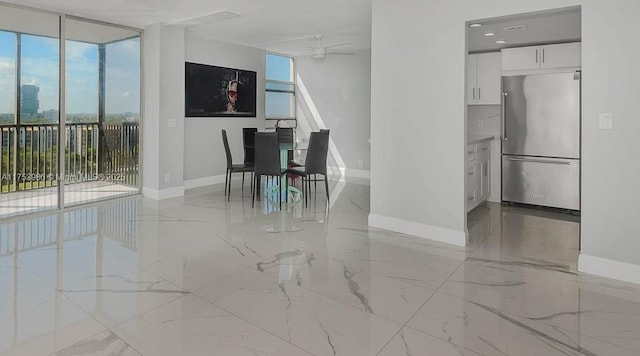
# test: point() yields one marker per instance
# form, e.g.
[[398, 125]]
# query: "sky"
[[40, 67]]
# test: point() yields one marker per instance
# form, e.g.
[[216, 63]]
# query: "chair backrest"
[[226, 148], [316, 161], [267, 156], [324, 130], [248, 141], [285, 134]]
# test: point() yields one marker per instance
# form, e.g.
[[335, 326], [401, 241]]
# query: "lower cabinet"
[[478, 172]]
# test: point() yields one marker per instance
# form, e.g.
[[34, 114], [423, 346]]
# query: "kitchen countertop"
[[479, 138]]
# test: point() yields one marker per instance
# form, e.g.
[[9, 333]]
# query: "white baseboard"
[[430, 232], [203, 182], [603, 267], [213, 180], [162, 194]]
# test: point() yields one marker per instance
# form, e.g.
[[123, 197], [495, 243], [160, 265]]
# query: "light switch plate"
[[605, 121]]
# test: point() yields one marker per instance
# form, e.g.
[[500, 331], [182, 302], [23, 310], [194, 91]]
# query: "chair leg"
[[252, 184], [280, 187], [326, 186], [226, 181], [243, 183], [253, 191], [229, 195], [304, 193]]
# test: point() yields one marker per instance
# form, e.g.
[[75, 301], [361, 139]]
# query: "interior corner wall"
[[204, 156], [163, 136], [339, 87], [418, 115]]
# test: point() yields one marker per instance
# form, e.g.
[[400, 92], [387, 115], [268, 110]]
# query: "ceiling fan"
[[319, 51]]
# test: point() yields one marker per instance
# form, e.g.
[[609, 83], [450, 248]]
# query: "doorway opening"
[[523, 129]]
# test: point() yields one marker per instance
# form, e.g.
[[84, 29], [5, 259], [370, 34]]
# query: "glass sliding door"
[[91, 151], [102, 86], [29, 106]]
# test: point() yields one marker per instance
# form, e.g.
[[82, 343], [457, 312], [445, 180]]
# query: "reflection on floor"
[[529, 233], [200, 276]]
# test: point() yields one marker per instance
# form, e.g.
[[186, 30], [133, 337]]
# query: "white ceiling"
[[267, 24], [549, 27]]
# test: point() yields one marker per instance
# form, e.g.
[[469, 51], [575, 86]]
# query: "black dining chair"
[[267, 161], [248, 142], [315, 162], [232, 168], [285, 134]]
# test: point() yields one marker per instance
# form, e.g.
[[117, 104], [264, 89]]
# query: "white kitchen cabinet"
[[566, 55], [478, 171], [561, 55], [483, 78], [521, 58]]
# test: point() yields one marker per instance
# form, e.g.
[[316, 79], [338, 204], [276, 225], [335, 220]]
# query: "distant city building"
[[29, 102], [51, 115]]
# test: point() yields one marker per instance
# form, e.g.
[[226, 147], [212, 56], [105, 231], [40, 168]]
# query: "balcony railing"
[[29, 155]]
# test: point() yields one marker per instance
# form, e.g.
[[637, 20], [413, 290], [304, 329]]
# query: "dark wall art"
[[212, 91]]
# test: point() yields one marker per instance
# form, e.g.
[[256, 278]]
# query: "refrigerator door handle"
[[504, 116], [533, 160]]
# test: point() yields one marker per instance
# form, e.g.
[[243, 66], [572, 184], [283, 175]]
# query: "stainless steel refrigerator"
[[541, 140]]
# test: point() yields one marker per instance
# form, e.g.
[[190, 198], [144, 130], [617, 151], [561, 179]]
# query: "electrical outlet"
[[167, 178], [360, 163], [480, 123], [605, 121]]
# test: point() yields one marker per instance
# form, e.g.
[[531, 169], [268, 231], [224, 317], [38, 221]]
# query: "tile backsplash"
[[483, 119]]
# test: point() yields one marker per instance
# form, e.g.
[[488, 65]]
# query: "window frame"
[[291, 83]]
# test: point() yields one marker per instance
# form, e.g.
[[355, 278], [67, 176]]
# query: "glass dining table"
[[290, 193]]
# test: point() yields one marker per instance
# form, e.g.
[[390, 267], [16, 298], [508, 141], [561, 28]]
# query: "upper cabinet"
[[566, 55], [483, 78]]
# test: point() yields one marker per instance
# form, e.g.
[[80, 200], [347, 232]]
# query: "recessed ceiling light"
[[489, 34], [501, 41], [475, 25]]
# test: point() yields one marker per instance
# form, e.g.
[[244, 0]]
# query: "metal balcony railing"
[[29, 155]]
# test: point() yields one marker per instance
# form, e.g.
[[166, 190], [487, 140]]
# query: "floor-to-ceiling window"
[[93, 148], [29, 106], [102, 86]]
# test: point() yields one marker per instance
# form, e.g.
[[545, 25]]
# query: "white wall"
[[418, 127], [339, 87], [163, 136], [204, 157]]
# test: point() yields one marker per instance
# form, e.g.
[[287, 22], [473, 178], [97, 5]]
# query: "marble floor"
[[200, 276]]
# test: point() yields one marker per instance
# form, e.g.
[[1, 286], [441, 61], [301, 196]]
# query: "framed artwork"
[[212, 91]]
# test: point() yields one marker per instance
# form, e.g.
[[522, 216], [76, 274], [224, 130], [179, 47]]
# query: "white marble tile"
[[394, 298], [35, 319], [194, 271], [410, 342], [192, 326], [575, 309], [104, 344], [321, 279], [490, 331], [115, 298], [309, 320]]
